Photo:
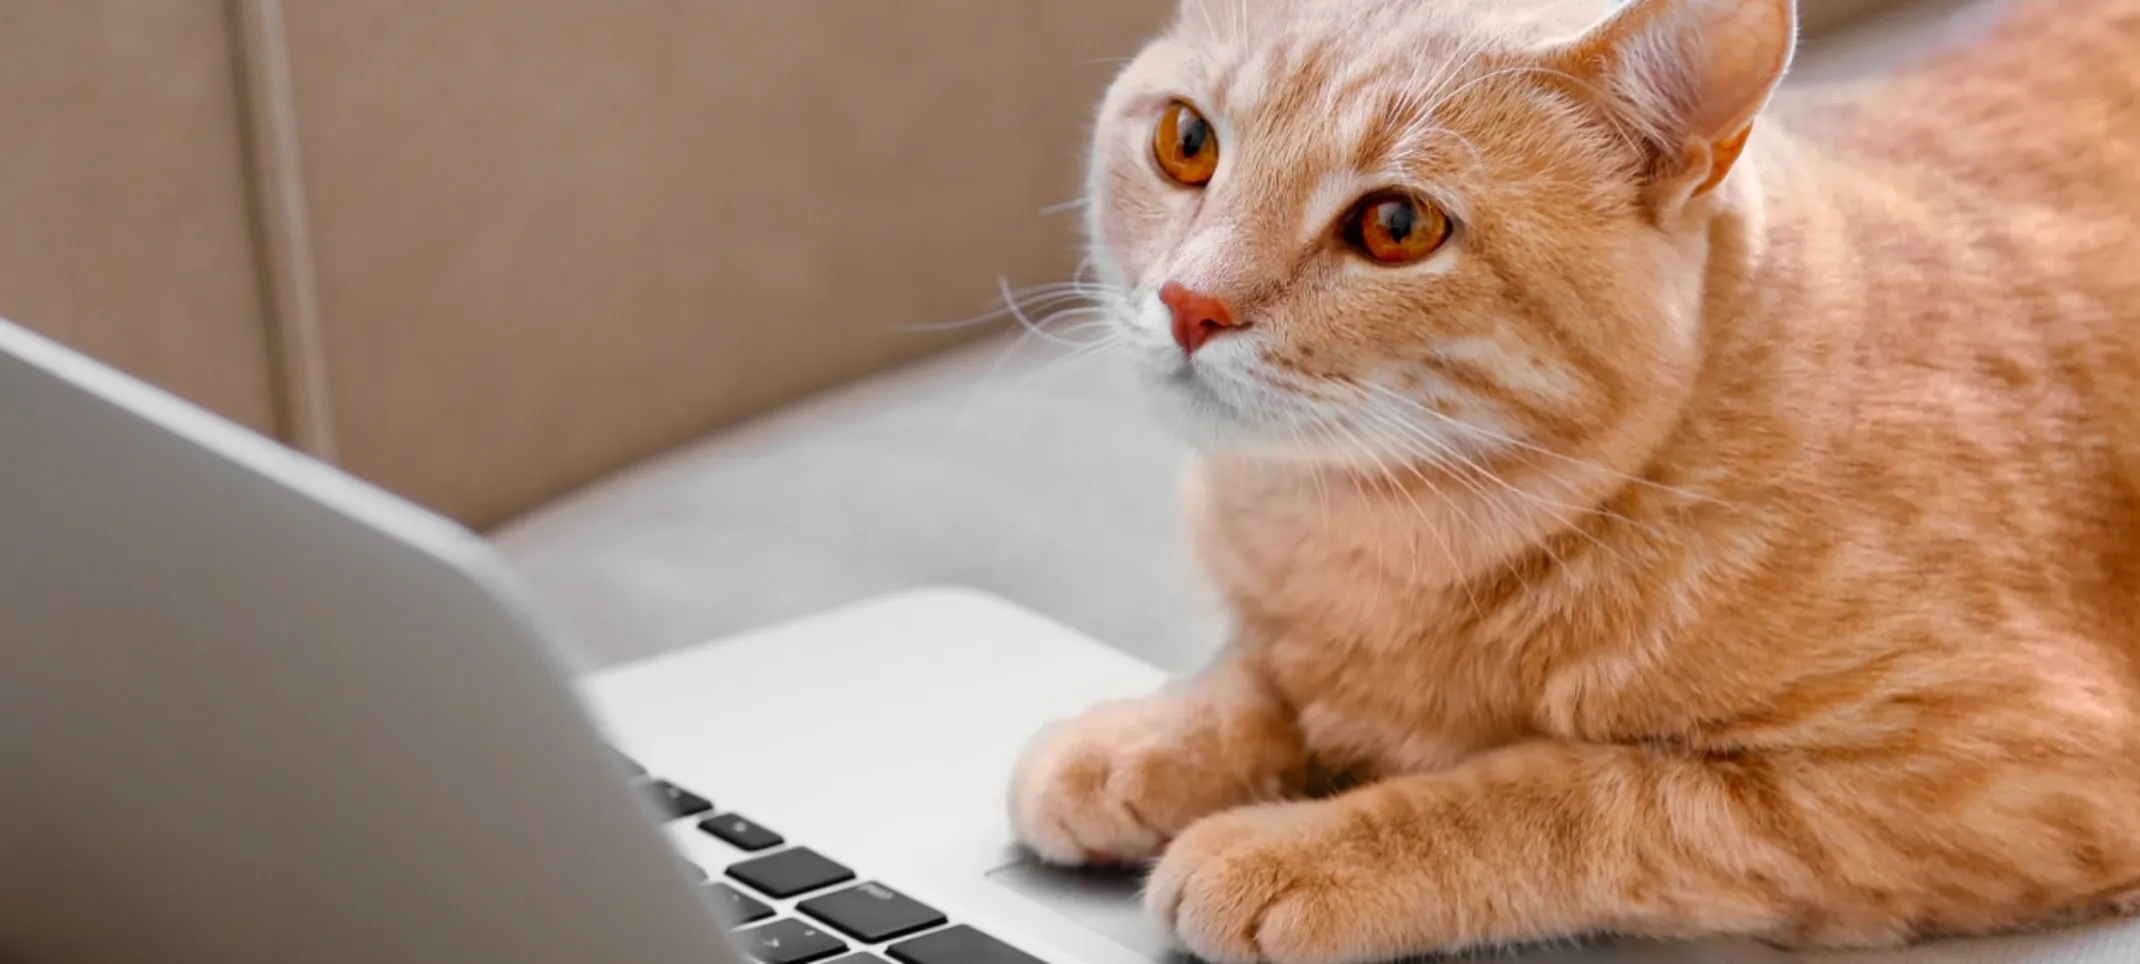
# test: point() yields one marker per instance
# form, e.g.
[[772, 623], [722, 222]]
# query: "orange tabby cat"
[[1634, 526]]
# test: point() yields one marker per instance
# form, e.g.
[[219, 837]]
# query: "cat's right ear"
[[1690, 76]]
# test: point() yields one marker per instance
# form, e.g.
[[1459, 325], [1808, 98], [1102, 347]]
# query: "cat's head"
[[1417, 229]]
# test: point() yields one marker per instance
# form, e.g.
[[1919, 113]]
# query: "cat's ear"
[[1690, 75]]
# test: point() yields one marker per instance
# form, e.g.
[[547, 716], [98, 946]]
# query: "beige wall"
[[486, 251], [124, 222], [660, 217]]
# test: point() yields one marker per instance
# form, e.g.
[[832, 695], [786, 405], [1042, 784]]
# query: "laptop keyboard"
[[834, 918], [740, 833], [791, 873]]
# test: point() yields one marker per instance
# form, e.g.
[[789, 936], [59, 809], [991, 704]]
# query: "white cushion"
[[1045, 484]]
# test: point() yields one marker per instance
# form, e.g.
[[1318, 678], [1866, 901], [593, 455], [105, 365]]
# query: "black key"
[[959, 945], [741, 833], [872, 913], [676, 801], [790, 873], [789, 942], [736, 908]]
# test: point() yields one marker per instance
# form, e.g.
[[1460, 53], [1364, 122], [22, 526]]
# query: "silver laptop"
[[255, 712]]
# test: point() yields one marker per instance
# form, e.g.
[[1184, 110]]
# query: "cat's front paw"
[[1113, 786], [1281, 884]]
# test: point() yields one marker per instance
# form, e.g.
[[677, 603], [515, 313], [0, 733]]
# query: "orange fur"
[[1665, 561]]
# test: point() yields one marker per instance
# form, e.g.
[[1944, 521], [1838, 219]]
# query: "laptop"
[[253, 711]]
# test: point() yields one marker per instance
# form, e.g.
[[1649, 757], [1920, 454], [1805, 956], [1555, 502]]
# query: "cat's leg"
[[1114, 785], [1551, 841]]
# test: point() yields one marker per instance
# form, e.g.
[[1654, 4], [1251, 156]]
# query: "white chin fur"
[[1222, 401], [1237, 415], [1218, 408]]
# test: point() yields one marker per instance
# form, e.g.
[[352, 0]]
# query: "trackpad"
[[1107, 905], [1104, 903]]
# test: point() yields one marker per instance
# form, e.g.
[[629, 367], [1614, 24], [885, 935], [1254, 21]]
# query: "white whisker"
[[1479, 529], [1448, 549], [1054, 293], [1322, 484], [1033, 298], [1617, 126], [1025, 321], [1027, 301], [1463, 465], [1448, 457], [1465, 142], [1459, 425], [1211, 26], [1450, 70], [1067, 359], [1381, 560], [1467, 463]]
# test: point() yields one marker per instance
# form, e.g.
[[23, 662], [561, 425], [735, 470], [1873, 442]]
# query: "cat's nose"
[[1198, 317]]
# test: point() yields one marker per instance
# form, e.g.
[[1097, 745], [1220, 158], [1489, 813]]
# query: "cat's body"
[[1812, 615], [1907, 420]]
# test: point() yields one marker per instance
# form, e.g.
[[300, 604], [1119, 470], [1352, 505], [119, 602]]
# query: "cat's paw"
[[1113, 786], [1276, 884]]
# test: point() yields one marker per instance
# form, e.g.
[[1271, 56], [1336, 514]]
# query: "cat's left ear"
[[1691, 75]]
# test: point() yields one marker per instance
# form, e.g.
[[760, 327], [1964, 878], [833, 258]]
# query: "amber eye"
[[1187, 147], [1397, 228]]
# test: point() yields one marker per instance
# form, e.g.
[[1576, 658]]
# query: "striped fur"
[[1673, 556]]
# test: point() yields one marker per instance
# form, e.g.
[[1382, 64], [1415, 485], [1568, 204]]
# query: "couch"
[[1000, 464], [652, 292]]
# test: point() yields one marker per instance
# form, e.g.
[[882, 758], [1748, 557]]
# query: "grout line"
[[283, 233]]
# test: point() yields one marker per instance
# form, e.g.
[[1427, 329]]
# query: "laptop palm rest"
[[1104, 903]]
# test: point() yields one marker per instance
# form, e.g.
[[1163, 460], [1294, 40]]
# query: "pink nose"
[[1198, 318]]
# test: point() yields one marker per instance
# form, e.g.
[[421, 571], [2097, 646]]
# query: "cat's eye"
[[1185, 145], [1397, 228]]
